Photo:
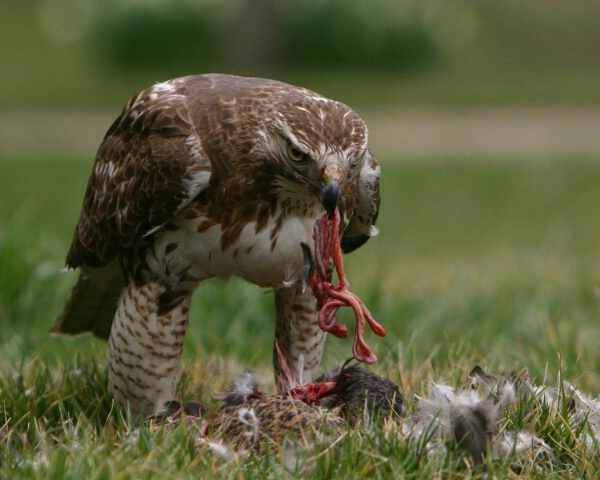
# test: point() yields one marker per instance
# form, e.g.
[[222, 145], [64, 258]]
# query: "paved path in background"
[[553, 132], [486, 133]]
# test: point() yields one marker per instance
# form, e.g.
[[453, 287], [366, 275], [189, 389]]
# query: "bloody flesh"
[[309, 393], [331, 297]]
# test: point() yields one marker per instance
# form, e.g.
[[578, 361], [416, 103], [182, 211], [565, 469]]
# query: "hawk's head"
[[316, 146]]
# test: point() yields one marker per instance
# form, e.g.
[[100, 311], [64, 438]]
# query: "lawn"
[[496, 263]]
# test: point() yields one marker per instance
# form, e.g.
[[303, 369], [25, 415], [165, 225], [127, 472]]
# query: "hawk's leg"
[[298, 335], [145, 344]]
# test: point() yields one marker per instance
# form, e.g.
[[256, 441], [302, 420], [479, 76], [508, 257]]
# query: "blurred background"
[[484, 114], [65, 62]]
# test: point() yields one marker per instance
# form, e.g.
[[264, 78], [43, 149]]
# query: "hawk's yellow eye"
[[295, 154]]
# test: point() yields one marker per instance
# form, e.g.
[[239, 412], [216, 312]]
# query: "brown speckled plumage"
[[252, 418], [202, 176], [271, 418]]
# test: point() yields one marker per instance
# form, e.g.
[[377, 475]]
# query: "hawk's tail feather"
[[92, 303]]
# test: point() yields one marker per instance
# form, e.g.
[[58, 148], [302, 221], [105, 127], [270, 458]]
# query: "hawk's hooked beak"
[[329, 196], [330, 192]]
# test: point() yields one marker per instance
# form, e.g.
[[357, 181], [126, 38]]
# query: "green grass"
[[495, 263]]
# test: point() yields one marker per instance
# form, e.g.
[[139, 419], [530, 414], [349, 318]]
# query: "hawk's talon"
[[173, 411]]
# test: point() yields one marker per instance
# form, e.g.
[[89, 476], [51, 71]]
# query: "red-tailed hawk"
[[203, 176]]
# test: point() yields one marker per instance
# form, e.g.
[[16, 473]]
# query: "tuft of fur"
[[360, 393], [242, 390], [465, 417], [473, 428], [528, 447]]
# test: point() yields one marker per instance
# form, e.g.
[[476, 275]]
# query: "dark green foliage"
[[381, 36], [146, 38]]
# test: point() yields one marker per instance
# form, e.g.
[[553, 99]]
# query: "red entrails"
[[311, 393], [331, 297]]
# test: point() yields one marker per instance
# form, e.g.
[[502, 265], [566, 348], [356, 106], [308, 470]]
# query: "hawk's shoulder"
[[149, 166]]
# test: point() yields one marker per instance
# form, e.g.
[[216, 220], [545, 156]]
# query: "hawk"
[[204, 176]]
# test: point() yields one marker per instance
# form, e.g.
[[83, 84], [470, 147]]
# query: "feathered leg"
[[298, 335], [146, 341]]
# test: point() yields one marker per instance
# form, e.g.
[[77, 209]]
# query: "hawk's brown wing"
[[362, 222], [149, 166]]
